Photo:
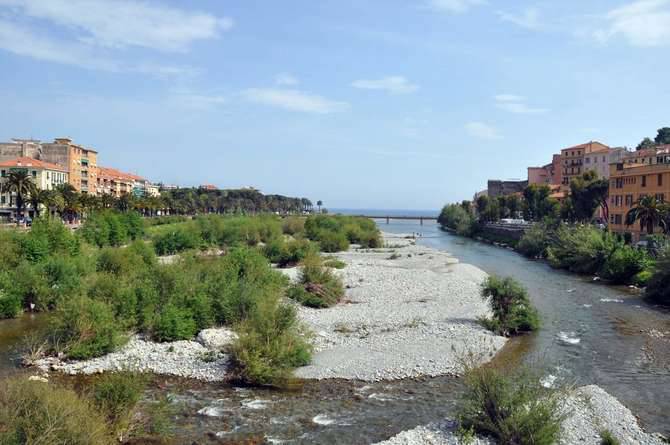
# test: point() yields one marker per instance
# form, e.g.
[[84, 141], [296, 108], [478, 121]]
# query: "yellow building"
[[111, 181], [572, 159], [45, 176], [630, 181]]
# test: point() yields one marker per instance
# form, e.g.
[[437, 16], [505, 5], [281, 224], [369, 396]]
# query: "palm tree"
[[21, 183], [71, 204], [319, 203], [649, 212], [40, 197]]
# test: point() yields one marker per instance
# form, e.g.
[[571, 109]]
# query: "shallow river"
[[591, 333]]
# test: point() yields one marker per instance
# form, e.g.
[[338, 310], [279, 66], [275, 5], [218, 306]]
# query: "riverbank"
[[589, 410], [409, 311]]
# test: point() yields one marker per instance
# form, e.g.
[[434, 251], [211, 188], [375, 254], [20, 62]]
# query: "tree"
[[71, 203], [663, 136], [319, 203], [21, 183], [646, 143], [538, 204], [649, 212], [587, 193], [40, 197]]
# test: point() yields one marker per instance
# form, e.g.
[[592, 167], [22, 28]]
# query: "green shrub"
[[293, 225], [11, 253], [10, 305], [117, 294], [87, 328], [288, 253], [115, 395], [332, 241], [534, 242], [513, 313], [174, 324], [641, 279], [607, 438], [334, 263], [581, 249], [270, 345], [318, 286], [112, 228], [176, 240], [513, 408], [456, 218], [45, 414], [624, 264], [48, 236], [658, 287]]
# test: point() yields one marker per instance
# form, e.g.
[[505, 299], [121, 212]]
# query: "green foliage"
[[270, 344], [513, 408], [334, 263], [112, 228], [513, 313], [318, 286], [581, 249], [587, 193], [45, 414], [457, 218], [534, 242], [658, 287], [332, 241], [538, 204], [288, 253], [607, 438], [334, 233], [10, 305], [176, 240], [87, 327], [49, 236], [293, 225], [174, 324], [624, 264], [115, 395]]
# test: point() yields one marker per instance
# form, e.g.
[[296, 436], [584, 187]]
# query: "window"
[[604, 159], [617, 219], [588, 160], [629, 200], [34, 174], [3, 199], [660, 197], [3, 173], [612, 219], [660, 179], [644, 181]]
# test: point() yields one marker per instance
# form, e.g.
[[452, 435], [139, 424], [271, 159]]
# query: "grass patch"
[[607, 438]]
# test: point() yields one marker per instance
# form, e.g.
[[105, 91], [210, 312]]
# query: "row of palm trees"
[[650, 213], [67, 202]]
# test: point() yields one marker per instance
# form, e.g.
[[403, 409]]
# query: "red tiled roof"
[[34, 163], [584, 145], [113, 173]]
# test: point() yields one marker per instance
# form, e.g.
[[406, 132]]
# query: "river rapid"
[[592, 334]]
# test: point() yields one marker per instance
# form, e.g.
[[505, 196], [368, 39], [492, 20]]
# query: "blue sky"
[[362, 104]]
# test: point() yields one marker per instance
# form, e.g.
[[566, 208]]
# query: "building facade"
[[110, 181], [573, 159], [81, 162], [45, 176], [631, 181]]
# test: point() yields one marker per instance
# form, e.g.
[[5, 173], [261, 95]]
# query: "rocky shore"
[[201, 359], [409, 311], [589, 410]]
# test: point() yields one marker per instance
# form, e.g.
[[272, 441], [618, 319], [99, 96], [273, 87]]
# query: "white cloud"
[[125, 23], [392, 84], [188, 99], [516, 104], [454, 6], [286, 79], [481, 130], [642, 23], [23, 41], [529, 18], [294, 100]]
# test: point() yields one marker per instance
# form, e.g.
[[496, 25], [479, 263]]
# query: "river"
[[592, 333]]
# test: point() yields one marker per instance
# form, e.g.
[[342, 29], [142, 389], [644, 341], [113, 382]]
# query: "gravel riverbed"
[[589, 410], [409, 311]]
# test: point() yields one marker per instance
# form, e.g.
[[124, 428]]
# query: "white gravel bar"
[[589, 409], [201, 360], [409, 311]]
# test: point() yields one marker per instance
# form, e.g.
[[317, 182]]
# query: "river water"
[[591, 333]]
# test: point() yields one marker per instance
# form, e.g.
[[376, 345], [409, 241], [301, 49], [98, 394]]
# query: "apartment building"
[[45, 176], [20, 148], [599, 161], [110, 181], [572, 159], [630, 181], [81, 162], [549, 174]]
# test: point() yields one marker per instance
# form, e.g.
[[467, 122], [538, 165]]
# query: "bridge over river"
[[388, 218]]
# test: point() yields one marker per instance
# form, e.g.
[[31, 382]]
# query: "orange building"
[[80, 162], [572, 159], [630, 181]]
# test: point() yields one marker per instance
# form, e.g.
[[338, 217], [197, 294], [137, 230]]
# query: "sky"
[[360, 104]]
